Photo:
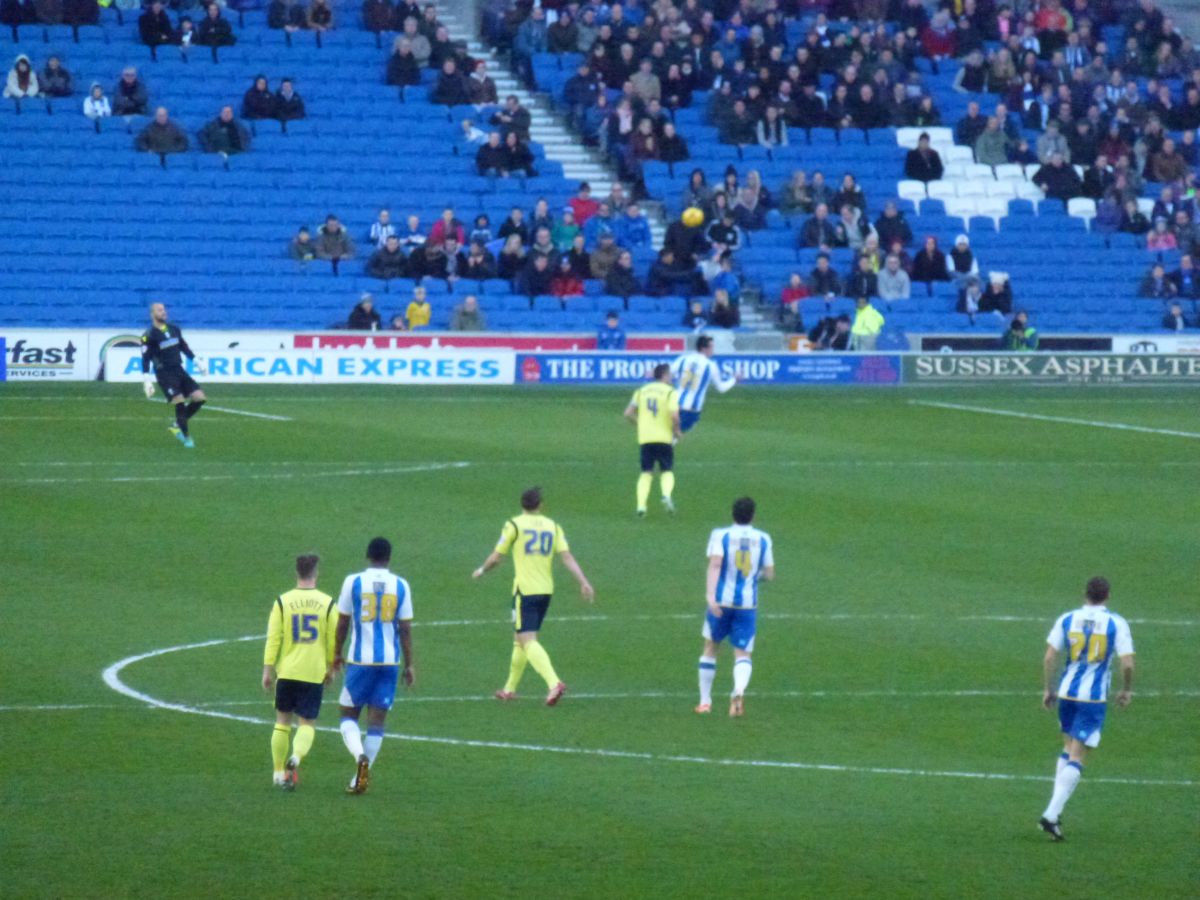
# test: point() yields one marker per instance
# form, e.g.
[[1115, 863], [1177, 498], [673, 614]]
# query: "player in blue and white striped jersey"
[[1090, 637], [738, 556], [694, 373], [375, 610]]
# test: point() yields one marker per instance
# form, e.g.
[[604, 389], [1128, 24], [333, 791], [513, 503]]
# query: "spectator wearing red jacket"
[[566, 282], [582, 204], [447, 226]]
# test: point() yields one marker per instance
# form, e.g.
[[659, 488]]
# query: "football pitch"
[[893, 743]]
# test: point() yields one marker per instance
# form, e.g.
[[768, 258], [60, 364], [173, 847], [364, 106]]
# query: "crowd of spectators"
[[417, 314], [1047, 92], [545, 252]]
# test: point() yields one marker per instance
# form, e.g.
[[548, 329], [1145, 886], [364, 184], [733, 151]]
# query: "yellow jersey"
[[657, 403], [418, 314], [301, 635], [533, 540]]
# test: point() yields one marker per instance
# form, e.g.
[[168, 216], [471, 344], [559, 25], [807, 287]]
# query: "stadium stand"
[[103, 228], [106, 227], [1074, 266]]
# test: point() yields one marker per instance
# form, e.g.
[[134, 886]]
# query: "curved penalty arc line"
[[112, 678]]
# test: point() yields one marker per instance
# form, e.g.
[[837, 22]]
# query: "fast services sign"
[[333, 367], [45, 354], [1052, 368]]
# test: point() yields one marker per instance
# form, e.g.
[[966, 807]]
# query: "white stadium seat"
[[908, 137], [955, 171], [940, 135], [973, 188], [1145, 206], [1027, 190], [962, 208], [1006, 189], [1082, 208], [960, 154], [911, 190], [943, 190], [1010, 172], [996, 207], [980, 171]]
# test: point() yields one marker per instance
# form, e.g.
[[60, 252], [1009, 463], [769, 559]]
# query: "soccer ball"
[[693, 217]]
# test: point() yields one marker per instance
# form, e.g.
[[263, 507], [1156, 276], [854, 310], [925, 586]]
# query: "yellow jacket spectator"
[[419, 311], [868, 322]]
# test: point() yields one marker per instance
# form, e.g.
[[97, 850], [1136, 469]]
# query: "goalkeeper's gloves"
[[148, 386], [198, 366]]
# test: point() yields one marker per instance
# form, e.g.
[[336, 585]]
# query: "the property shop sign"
[[1052, 368], [629, 368]]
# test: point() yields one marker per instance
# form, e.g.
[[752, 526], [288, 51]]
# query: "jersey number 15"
[[304, 628]]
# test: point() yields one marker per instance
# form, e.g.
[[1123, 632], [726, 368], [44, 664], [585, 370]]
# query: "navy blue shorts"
[[300, 697], [688, 419], [529, 612], [1082, 721], [739, 625], [370, 686], [663, 454], [176, 384]]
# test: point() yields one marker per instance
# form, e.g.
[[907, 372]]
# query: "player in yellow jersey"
[[299, 652], [534, 541], [654, 409]]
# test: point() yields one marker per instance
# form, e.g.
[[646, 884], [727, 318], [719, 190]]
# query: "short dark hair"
[[306, 565], [743, 510], [1097, 589], [531, 499], [703, 342], [379, 550], [660, 370]]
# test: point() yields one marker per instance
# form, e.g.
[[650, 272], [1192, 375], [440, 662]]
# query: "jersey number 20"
[[539, 542], [1097, 646]]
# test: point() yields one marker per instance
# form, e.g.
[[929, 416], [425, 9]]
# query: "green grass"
[[893, 523]]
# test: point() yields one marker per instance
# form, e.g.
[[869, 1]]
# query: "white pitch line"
[[112, 677], [772, 616], [634, 695], [1063, 420], [253, 415], [235, 476]]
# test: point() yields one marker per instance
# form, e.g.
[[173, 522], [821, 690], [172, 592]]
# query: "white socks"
[[1064, 786], [1062, 761], [372, 743], [352, 737], [741, 675], [708, 671]]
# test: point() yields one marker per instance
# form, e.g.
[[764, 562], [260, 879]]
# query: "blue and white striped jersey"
[[375, 600], [1090, 637], [745, 552], [694, 374]]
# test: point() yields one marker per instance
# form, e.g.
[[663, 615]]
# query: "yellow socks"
[[540, 660], [643, 490], [515, 669], [303, 742], [666, 481], [279, 746]]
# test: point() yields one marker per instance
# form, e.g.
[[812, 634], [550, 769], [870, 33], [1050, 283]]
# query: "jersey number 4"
[[304, 628], [652, 405], [539, 542], [741, 562]]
